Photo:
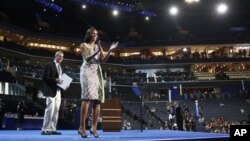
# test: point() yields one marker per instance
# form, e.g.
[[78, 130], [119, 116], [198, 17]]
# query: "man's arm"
[[47, 71]]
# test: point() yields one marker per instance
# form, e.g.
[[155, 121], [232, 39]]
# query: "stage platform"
[[124, 135]]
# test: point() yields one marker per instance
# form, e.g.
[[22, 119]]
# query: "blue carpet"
[[124, 135]]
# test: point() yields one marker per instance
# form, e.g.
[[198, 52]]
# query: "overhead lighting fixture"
[[50, 5], [192, 1], [115, 12], [121, 6], [222, 8], [173, 11], [84, 6]]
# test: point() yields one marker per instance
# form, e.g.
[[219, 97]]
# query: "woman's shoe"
[[83, 135], [94, 134]]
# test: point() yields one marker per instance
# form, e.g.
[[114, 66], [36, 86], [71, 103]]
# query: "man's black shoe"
[[46, 133], [56, 133]]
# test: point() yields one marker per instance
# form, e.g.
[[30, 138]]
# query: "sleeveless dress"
[[91, 78]]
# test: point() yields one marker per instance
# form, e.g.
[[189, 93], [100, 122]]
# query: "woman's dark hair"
[[87, 37]]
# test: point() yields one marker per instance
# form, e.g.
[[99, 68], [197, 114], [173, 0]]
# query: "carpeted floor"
[[124, 135]]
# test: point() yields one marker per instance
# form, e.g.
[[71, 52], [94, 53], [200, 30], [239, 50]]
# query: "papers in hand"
[[66, 81]]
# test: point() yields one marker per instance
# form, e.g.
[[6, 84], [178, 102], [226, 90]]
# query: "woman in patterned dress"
[[92, 89]]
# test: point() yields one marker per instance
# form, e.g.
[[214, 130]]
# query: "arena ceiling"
[[196, 23]]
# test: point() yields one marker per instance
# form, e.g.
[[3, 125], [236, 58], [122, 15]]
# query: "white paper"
[[66, 81]]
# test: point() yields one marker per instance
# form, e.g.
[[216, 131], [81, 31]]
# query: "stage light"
[[173, 10], [50, 5], [84, 6], [147, 18], [192, 1], [222, 8], [115, 12], [120, 5]]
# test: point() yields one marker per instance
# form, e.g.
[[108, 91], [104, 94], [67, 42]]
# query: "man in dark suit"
[[21, 107], [179, 117], [2, 112], [52, 92]]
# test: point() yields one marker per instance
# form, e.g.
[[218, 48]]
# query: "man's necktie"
[[59, 69]]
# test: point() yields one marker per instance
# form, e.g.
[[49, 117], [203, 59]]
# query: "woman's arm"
[[85, 54], [105, 55]]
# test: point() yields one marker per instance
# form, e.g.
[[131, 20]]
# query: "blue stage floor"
[[124, 135]]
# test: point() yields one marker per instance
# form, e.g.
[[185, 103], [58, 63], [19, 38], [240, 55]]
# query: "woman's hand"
[[113, 46]]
